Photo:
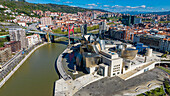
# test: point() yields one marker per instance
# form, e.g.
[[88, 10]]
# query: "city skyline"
[[114, 6]]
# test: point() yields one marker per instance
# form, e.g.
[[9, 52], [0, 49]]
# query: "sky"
[[114, 5]]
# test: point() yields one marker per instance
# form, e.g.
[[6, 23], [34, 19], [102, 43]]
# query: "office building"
[[151, 41], [141, 48], [102, 28], [83, 29], [94, 15], [137, 20], [130, 20], [126, 20], [165, 45]]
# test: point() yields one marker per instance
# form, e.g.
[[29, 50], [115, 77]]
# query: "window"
[[116, 65]]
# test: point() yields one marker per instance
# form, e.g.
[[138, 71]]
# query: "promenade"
[[18, 65], [60, 68]]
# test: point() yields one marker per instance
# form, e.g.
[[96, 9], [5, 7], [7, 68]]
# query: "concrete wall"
[[116, 63], [150, 67], [135, 66], [90, 70]]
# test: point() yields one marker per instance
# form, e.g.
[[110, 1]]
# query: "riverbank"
[[17, 67]]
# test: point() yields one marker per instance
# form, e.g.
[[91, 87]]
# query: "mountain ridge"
[[143, 12], [27, 8]]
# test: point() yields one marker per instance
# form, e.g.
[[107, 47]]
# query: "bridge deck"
[[54, 34]]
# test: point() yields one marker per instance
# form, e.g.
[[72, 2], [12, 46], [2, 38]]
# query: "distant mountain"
[[133, 12], [18, 0], [99, 10], [15, 0], [161, 13], [138, 12]]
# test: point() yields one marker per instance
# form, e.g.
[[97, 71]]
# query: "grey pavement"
[[115, 85]]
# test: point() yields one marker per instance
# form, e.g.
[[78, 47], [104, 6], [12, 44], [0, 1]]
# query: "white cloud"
[[106, 5], [163, 9], [91, 4], [68, 2], [117, 6], [55, 0], [91, 7], [142, 6], [149, 7], [128, 7], [73, 6]]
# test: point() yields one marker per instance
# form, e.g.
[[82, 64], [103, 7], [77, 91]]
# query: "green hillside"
[[25, 7]]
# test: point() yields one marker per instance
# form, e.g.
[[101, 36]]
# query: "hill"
[[25, 7], [100, 10]]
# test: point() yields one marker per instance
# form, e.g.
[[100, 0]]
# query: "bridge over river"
[[50, 35]]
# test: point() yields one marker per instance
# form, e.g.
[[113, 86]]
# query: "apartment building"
[[14, 45], [18, 35], [46, 21], [33, 39]]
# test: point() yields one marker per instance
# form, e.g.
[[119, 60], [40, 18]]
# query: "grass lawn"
[[154, 92], [164, 69]]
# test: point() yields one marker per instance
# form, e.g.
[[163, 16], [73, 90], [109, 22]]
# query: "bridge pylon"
[[48, 37], [70, 29]]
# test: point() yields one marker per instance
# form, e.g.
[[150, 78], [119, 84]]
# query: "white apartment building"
[[33, 39]]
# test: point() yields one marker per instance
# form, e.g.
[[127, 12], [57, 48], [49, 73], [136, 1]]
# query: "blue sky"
[[114, 5]]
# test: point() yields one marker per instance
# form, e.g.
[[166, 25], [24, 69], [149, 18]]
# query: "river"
[[37, 75]]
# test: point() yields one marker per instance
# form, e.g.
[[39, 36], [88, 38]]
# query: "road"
[[7, 67], [11, 60], [93, 31]]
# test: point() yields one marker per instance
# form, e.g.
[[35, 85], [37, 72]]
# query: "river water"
[[37, 75]]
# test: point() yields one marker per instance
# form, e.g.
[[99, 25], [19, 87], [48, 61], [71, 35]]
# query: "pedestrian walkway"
[[70, 87]]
